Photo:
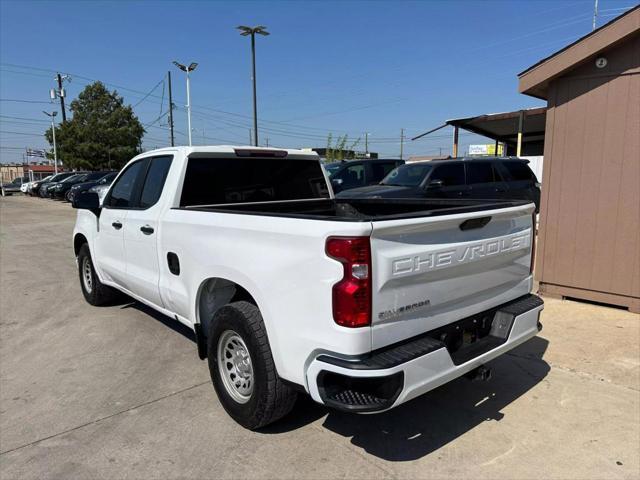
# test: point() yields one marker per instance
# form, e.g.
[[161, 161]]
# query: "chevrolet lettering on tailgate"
[[462, 254]]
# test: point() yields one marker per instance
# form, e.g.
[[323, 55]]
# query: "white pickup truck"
[[363, 304]]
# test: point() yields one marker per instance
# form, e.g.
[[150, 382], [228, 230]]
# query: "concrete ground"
[[118, 392]]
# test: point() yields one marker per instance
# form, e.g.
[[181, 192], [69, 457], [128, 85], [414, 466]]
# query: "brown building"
[[589, 239], [30, 171]]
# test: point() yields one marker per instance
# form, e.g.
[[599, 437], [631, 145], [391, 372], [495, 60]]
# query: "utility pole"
[[266, 141], [366, 144], [170, 109], [246, 31], [250, 136], [401, 142], [61, 95], [595, 14]]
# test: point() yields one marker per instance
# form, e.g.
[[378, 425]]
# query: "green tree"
[[103, 132], [340, 151]]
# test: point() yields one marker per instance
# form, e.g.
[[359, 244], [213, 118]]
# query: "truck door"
[[109, 255], [141, 232]]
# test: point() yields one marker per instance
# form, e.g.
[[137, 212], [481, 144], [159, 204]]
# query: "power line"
[[150, 92], [22, 101], [23, 133], [24, 118]]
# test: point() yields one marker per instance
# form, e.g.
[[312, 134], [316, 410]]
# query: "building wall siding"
[[590, 216]]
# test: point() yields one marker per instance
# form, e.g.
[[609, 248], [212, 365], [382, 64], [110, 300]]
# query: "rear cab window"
[[215, 181]]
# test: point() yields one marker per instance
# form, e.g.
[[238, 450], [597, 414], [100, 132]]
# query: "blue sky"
[[340, 67]]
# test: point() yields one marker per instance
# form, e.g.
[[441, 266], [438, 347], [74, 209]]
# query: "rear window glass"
[[212, 181], [518, 171]]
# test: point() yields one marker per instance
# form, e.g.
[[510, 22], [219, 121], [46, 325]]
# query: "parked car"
[[61, 190], [363, 304], [105, 179], [40, 188], [35, 185], [53, 187], [12, 187], [24, 188], [507, 178], [359, 173]]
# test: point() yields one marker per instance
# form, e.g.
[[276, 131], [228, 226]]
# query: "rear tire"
[[94, 291], [242, 368]]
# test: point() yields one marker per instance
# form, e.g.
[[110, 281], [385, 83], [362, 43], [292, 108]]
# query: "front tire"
[[242, 368], [94, 291]]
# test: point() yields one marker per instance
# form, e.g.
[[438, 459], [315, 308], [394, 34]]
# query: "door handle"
[[116, 225], [147, 230], [500, 190]]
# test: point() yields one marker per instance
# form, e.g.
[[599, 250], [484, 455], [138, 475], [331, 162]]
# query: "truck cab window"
[[122, 193], [154, 182], [210, 181]]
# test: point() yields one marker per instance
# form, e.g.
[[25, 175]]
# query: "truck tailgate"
[[428, 272]]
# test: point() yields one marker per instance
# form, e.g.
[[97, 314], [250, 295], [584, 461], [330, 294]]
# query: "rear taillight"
[[533, 241], [352, 294]]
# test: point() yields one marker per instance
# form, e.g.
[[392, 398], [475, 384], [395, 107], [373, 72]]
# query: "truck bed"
[[360, 210]]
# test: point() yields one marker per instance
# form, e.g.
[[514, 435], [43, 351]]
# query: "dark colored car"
[[105, 179], [359, 173], [13, 186], [40, 188], [60, 191], [488, 178]]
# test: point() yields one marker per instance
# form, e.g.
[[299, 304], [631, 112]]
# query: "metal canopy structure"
[[521, 131]]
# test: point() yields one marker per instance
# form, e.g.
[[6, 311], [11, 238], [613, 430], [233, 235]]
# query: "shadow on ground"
[[431, 421], [174, 325], [427, 423]]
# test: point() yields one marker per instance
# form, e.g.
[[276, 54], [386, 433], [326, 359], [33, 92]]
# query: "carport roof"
[[504, 126]]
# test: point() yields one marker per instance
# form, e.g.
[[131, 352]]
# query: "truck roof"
[[233, 149]]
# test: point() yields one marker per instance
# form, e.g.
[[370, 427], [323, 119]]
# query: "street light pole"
[[192, 66], [246, 31], [53, 133], [255, 98], [189, 107]]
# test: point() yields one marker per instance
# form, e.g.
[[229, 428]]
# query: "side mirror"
[[87, 201], [435, 184]]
